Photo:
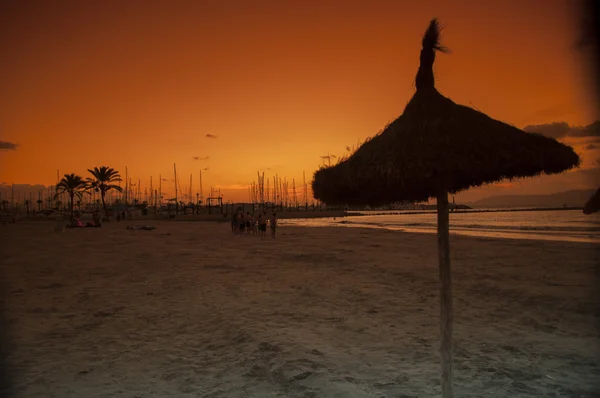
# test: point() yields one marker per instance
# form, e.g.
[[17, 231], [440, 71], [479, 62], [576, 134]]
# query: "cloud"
[[211, 136], [591, 146], [199, 158], [562, 129], [9, 146]]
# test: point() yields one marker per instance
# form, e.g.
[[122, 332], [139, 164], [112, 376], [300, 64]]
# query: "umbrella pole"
[[445, 294]]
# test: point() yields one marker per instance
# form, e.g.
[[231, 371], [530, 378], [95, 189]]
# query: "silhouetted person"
[[234, 222], [273, 222], [241, 223], [262, 225], [248, 221]]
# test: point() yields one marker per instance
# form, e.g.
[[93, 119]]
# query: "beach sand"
[[188, 310]]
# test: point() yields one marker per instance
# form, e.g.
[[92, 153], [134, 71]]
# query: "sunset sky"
[[271, 85]]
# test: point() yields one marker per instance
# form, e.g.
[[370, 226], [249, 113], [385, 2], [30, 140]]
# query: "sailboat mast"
[[201, 193], [176, 202]]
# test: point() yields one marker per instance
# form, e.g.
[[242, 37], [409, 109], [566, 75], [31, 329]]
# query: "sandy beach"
[[188, 310]]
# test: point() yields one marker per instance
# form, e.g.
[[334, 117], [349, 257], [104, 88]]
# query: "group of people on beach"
[[77, 223], [249, 224]]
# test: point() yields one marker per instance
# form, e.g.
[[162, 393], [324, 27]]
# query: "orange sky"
[[279, 84]]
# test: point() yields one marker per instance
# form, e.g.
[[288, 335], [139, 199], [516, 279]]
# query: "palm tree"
[[73, 185], [103, 180]]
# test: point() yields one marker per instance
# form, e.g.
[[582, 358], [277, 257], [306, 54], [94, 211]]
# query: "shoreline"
[[296, 220], [463, 211], [483, 235]]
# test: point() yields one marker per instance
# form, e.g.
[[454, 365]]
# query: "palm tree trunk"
[[71, 196], [104, 205]]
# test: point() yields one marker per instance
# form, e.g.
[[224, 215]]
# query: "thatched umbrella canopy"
[[592, 205], [434, 148]]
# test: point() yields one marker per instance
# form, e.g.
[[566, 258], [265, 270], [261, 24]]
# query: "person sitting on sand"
[[76, 223], [96, 220], [273, 223]]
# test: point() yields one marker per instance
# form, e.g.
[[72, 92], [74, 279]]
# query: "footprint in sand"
[[301, 376], [268, 347], [316, 352]]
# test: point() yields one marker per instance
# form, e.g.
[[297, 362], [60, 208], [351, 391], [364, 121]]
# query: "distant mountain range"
[[574, 198]]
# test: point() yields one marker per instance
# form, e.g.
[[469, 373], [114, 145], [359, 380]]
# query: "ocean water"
[[561, 225]]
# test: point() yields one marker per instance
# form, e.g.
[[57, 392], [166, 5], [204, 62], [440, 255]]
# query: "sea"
[[553, 225]]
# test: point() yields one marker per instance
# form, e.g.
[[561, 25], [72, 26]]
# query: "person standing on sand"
[[262, 225], [273, 222], [241, 223], [234, 222], [253, 224], [248, 222]]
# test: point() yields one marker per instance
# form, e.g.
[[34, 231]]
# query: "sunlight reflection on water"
[[562, 225]]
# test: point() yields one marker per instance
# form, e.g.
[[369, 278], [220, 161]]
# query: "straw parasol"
[[592, 205], [435, 148]]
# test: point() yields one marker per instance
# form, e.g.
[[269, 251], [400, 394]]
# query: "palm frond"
[[112, 186]]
